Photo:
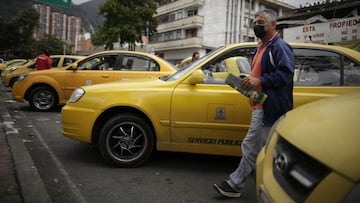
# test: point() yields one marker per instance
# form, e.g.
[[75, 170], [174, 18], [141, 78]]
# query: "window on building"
[[191, 33], [192, 12]]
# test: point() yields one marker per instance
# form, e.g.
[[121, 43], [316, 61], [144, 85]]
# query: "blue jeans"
[[250, 146]]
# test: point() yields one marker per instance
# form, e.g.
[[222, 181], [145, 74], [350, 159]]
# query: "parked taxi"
[[11, 75], [312, 154], [193, 110], [6, 64], [46, 89]]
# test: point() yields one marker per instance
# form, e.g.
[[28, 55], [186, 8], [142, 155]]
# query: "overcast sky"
[[295, 3]]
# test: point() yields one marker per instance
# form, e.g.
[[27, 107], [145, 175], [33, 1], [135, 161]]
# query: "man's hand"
[[250, 82]]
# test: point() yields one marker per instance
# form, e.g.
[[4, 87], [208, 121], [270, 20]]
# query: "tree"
[[16, 33], [126, 21], [50, 43]]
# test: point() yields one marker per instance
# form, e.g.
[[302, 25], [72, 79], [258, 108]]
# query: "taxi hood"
[[329, 131]]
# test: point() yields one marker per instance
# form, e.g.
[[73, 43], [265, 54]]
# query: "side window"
[[100, 62], [235, 62], [316, 68], [68, 61], [55, 62], [136, 63], [351, 72]]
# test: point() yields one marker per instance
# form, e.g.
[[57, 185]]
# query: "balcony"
[[194, 42], [179, 5], [185, 23]]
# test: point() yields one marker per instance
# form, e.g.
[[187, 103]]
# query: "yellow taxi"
[[11, 63], [47, 89], [193, 110], [12, 74], [312, 154]]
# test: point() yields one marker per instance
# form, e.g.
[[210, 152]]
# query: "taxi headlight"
[[76, 95], [272, 131], [22, 77]]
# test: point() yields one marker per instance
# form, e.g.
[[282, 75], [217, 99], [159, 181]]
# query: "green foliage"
[[52, 44], [17, 40], [126, 21], [16, 33]]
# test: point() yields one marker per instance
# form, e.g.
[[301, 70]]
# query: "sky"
[[295, 3]]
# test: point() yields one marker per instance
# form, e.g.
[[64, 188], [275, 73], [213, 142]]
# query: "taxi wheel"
[[12, 82], [126, 140], [43, 98]]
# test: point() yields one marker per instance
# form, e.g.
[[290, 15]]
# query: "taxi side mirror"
[[196, 77]]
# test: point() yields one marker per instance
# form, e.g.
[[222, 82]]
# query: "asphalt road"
[[75, 172]]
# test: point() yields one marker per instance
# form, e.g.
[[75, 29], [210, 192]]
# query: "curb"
[[32, 188]]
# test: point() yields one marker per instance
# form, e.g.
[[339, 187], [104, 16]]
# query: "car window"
[[137, 63], [316, 67], [99, 62], [236, 61], [68, 61], [351, 72], [55, 62]]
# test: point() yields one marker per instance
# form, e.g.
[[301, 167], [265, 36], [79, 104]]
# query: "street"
[[75, 172]]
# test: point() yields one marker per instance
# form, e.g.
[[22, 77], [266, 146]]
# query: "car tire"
[[43, 98], [126, 140]]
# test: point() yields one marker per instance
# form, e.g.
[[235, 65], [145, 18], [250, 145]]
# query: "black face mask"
[[259, 31]]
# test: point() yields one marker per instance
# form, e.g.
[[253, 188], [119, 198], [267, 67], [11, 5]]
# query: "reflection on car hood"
[[126, 84], [327, 130]]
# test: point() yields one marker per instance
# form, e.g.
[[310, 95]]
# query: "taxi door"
[[210, 118], [94, 70]]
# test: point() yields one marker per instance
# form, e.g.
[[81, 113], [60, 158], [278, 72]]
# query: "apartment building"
[[58, 28], [64, 27], [44, 21], [186, 26]]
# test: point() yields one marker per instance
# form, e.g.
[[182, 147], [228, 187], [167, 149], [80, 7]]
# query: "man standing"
[[272, 72], [43, 61]]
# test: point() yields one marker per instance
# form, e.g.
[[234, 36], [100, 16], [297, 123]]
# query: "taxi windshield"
[[183, 71]]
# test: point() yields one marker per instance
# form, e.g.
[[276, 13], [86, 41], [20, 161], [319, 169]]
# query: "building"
[[186, 26], [73, 31], [44, 21], [326, 22], [58, 25], [64, 27]]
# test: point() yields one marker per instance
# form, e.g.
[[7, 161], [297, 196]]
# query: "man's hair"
[[195, 53], [269, 14]]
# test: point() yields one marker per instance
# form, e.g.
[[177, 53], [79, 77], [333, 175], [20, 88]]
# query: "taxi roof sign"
[[62, 3]]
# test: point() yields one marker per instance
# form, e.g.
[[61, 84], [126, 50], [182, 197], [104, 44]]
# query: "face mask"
[[259, 31]]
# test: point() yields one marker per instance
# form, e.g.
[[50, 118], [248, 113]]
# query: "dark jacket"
[[277, 79]]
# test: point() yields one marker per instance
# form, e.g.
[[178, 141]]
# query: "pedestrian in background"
[[272, 72], [195, 57], [43, 61]]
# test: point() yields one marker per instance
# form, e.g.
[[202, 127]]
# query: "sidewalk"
[[19, 178]]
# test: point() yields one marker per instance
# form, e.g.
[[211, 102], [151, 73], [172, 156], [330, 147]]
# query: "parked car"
[[12, 74], [47, 89], [193, 110], [3, 66], [312, 154]]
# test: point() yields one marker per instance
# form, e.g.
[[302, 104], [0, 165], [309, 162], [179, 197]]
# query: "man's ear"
[[273, 23]]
